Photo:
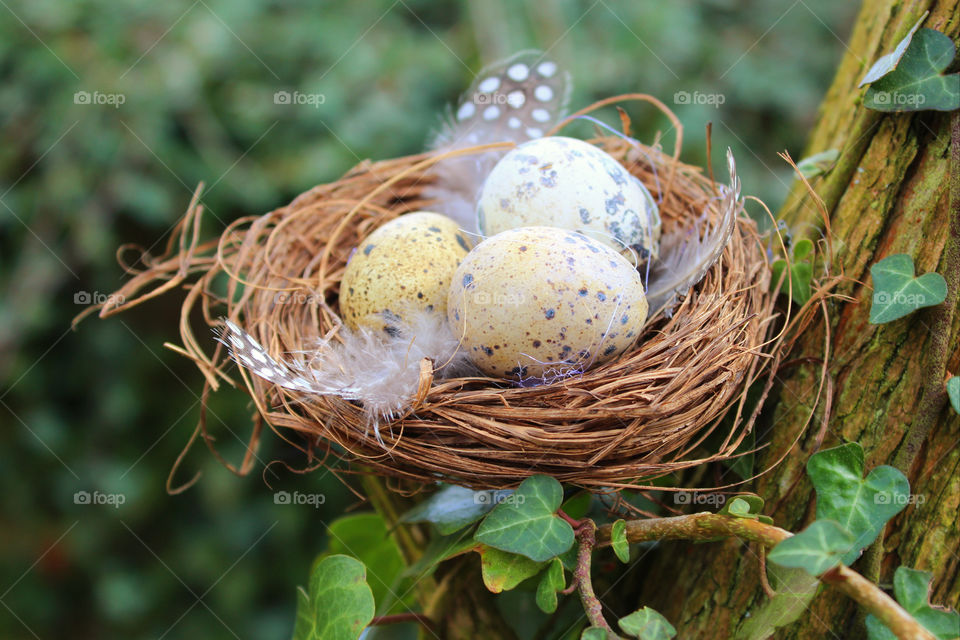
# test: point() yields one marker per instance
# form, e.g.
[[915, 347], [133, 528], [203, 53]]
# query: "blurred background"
[[112, 112]]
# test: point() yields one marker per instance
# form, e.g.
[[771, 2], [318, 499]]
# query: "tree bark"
[[888, 193]]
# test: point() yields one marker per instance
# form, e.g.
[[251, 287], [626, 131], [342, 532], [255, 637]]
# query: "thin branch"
[[581, 574], [703, 526]]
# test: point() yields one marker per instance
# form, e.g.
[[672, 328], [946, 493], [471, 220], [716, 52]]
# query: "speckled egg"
[[535, 304], [406, 264], [568, 183]]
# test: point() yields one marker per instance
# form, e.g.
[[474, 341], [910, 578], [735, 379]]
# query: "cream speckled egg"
[[538, 303], [406, 264], [568, 183]]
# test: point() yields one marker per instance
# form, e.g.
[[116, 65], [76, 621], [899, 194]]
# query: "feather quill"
[[379, 370], [513, 100], [685, 256]]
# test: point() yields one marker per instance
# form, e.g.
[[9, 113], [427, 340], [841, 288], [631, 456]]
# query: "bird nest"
[[642, 415]]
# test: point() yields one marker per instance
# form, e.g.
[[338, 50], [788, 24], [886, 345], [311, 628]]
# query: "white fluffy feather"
[[685, 256], [379, 370]]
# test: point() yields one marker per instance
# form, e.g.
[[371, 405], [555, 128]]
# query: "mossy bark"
[[888, 193]]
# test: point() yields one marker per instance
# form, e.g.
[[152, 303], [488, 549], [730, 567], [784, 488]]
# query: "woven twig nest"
[[640, 416]]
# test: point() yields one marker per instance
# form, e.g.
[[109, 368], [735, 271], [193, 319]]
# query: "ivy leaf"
[[918, 83], [886, 64], [593, 633], [439, 549], [794, 590], [527, 524], [452, 508], [551, 582], [953, 391], [801, 272], [365, 537], [339, 603], [912, 590], [861, 506], [816, 549], [502, 571], [897, 293], [818, 163], [618, 540], [746, 505], [647, 624]]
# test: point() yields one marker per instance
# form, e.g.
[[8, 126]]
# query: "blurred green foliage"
[[107, 408]]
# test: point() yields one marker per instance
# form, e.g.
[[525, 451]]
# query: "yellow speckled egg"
[[535, 304], [568, 183], [406, 264]]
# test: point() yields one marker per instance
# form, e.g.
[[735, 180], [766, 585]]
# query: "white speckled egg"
[[568, 183], [406, 264], [538, 303]]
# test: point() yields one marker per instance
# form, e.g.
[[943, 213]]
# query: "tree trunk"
[[887, 194]]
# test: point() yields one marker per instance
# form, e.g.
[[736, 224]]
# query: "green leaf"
[[502, 571], [439, 549], [551, 582], [578, 505], [339, 603], [452, 508], [746, 505], [593, 633], [802, 249], [365, 537], [647, 624], [818, 164], [887, 63], [527, 524], [918, 83], [801, 275], [794, 590], [816, 549], [861, 506], [897, 293], [912, 590], [953, 391], [618, 540]]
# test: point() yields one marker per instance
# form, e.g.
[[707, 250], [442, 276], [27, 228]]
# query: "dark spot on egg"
[[523, 247], [582, 292], [550, 313], [610, 349], [487, 350], [420, 295], [536, 343], [613, 204], [367, 249], [467, 279], [584, 215], [434, 229], [624, 319], [392, 331], [463, 244], [429, 307], [567, 348], [601, 296], [351, 290]]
